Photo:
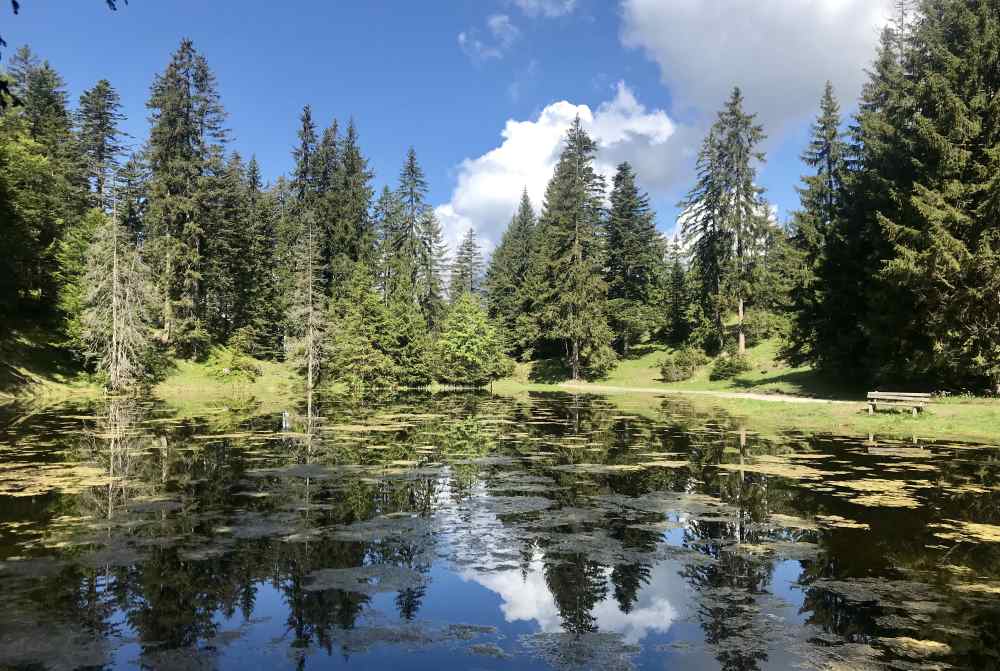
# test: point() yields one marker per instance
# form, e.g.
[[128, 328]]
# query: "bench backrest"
[[897, 396]]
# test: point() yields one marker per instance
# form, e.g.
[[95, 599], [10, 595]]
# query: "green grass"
[[33, 364], [975, 420]]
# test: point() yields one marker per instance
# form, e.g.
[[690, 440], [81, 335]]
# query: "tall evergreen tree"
[[354, 236], [115, 321], [820, 217], [634, 260], [98, 119], [130, 195], [430, 270], [574, 301], [263, 309], [724, 215], [506, 276], [360, 347], [304, 178], [467, 267], [187, 121]]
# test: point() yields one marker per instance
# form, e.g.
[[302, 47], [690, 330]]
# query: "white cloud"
[[548, 8], [780, 52], [503, 33], [527, 597], [489, 186]]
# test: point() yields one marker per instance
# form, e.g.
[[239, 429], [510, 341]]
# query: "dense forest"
[[888, 272]]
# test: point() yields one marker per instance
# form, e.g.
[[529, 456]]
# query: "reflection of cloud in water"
[[527, 597]]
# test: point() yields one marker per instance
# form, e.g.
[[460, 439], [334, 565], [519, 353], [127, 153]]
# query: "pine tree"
[[468, 350], [187, 123], [635, 264], [506, 277], [679, 297], [467, 268], [308, 306], [304, 179], [130, 195], [47, 122], [263, 307], [573, 304], [355, 238], [72, 257], [724, 215], [115, 321], [430, 270], [821, 216], [98, 118], [359, 347]]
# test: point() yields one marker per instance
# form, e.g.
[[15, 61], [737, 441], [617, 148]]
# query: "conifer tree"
[[354, 234], [678, 325], [115, 322], [308, 307], [187, 123], [98, 119], [467, 268], [130, 195], [263, 309], [304, 178], [430, 270], [506, 276], [820, 217], [468, 350], [634, 260], [724, 215], [360, 345], [573, 302]]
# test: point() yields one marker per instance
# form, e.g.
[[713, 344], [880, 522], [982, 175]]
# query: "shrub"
[[759, 325], [728, 366], [682, 365], [228, 364]]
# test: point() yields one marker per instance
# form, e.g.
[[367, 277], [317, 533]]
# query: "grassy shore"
[[767, 399], [636, 385]]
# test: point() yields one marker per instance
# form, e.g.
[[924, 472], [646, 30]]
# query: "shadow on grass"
[[28, 355], [809, 383], [639, 351], [549, 371]]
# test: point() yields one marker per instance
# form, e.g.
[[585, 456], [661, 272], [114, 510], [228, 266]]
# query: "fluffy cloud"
[[548, 8], [528, 598], [489, 186], [779, 51], [503, 33]]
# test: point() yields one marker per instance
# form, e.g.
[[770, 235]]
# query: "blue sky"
[[482, 89]]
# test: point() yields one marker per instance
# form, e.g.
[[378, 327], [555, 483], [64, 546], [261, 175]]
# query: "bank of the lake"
[[772, 398]]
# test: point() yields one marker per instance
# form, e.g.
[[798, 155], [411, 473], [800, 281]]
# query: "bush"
[[682, 365], [759, 325], [228, 364], [729, 366]]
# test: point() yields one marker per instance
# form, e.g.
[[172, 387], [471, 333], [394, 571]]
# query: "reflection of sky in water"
[[527, 597]]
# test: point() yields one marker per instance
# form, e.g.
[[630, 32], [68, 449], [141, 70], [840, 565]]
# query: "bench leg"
[[871, 408], [915, 411]]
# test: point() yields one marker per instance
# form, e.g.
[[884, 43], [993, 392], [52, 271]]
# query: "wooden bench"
[[915, 402]]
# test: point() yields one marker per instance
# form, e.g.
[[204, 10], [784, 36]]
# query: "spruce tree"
[[308, 306], [98, 119], [634, 260], [468, 350], [115, 323], [724, 216], [130, 195], [187, 122], [820, 217], [430, 270], [467, 267], [360, 346], [573, 302], [506, 276], [354, 236], [263, 309]]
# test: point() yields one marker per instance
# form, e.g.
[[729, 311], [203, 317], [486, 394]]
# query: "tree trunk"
[[742, 338], [575, 359]]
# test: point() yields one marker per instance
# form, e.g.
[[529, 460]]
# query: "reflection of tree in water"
[[577, 585], [731, 584]]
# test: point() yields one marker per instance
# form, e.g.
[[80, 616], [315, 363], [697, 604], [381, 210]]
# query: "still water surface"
[[469, 531]]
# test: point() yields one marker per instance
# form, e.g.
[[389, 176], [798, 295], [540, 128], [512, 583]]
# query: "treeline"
[[888, 272], [180, 247]]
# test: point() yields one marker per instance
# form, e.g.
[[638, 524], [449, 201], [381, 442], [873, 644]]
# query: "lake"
[[470, 531]]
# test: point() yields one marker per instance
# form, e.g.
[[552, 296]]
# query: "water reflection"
[[548, 531]]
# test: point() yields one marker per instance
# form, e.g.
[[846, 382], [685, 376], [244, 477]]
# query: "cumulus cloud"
[[547, 8], [528, 598], [489, 186], [780, 52], [503, 33]]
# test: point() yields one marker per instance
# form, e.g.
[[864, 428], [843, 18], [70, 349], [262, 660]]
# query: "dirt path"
[[781, 398]]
